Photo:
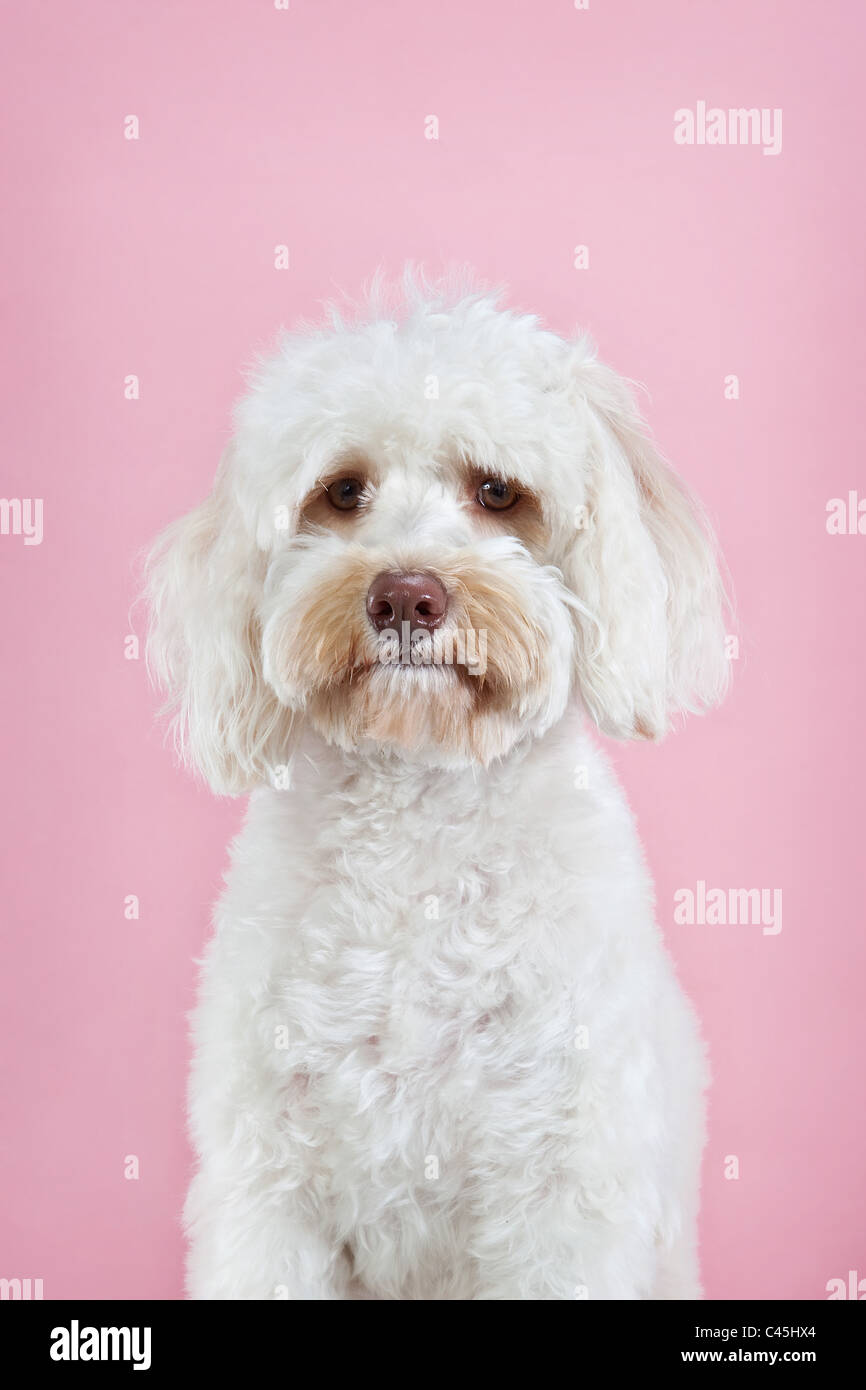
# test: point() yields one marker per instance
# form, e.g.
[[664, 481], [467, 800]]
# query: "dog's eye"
[[496, 494], [345, 494]]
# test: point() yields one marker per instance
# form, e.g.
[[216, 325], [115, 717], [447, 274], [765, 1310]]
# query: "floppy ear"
[[204, 581], [650, 629]]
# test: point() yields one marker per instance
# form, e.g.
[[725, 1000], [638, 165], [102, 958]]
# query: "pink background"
[[156, 257]]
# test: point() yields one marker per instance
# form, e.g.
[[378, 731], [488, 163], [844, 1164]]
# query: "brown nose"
[[396, 598]]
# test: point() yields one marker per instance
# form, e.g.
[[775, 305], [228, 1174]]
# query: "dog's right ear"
[[204, 584]]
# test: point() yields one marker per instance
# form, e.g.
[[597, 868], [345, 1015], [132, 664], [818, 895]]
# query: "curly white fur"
[[439, 1049]]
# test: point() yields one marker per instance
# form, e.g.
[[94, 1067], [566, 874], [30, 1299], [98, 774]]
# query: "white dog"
[[440, 1052]]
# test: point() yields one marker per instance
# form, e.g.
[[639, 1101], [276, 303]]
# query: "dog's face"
[[427, 535], [413, 601]]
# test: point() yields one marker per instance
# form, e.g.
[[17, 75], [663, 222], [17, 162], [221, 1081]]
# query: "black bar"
[[824, 1337]]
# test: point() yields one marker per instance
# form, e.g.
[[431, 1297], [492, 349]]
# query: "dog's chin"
[[434, 714]]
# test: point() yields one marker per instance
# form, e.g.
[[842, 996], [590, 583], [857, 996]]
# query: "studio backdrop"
[[682, 180]]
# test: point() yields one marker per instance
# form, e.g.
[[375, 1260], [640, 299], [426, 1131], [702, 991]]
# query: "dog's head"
[[427, 534]]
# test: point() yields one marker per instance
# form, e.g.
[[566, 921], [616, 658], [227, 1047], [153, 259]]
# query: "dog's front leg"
[[251, 1241]]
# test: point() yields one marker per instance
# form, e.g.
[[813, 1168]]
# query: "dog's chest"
[[413, 959], [406, 983], [419, 972], [407, 1051]]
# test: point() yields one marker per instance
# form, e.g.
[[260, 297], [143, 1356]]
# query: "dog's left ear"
[[643, 567]]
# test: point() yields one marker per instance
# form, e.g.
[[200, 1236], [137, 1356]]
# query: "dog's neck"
[[407, 774]]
